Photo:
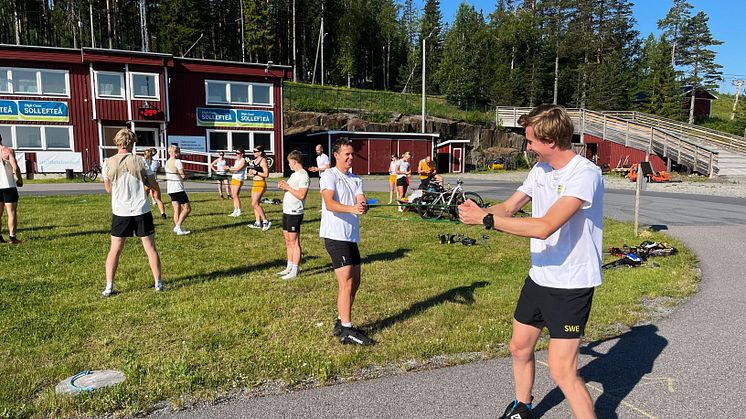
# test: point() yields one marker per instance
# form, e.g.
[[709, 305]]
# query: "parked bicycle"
[[438, 201], [92, 174]]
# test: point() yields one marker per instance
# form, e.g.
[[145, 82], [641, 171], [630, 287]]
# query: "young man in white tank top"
[[566, 230], [9, 190]]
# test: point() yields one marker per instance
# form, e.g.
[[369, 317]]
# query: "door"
[[457, 163], [108, 148], [147, 138]]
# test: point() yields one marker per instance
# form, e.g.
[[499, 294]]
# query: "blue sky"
[[726, 23]]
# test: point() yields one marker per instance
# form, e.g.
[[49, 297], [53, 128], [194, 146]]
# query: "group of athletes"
[[400, 173], [565, 191]]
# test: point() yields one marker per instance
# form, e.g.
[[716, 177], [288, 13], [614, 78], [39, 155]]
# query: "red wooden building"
[[608, 154], [702, 102], [60, 108]]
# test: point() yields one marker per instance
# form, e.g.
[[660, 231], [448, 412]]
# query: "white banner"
[[189, 142], [58, 161], [21, 159]]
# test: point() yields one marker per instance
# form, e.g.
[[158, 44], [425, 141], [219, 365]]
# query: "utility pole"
[[295, 66], [323, 35], [424, 97], [243, 36], [738, 84], [17, 24], [108, 22], [90, 17], [144, 27]]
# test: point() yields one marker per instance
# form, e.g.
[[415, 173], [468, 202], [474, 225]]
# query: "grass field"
[[226, 322]]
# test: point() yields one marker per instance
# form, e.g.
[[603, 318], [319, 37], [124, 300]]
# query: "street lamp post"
[[322, 57], [423, 80]]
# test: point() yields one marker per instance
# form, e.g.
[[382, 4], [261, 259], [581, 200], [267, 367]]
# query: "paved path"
[[689, 365]]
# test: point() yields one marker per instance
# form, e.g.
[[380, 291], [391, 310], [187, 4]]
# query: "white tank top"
[[241, 174], [392, 167], [221, 165], [6, 173]]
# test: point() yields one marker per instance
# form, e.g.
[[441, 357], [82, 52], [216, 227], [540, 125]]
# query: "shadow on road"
[[458, 295], [618, 371]]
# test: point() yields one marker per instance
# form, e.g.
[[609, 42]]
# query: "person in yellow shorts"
[[259, 169], [155, 193], [238, 175], [392, 177]]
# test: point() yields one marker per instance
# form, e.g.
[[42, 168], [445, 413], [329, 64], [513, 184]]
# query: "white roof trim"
[[452, 142], [399, 134]]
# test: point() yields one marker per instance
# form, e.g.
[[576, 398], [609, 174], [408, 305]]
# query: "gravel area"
[[720, 186]]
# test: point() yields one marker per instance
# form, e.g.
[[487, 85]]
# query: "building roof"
[[701, 93], [377, 134]]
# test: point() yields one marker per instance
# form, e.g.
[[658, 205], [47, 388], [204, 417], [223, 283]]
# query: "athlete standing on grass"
[[9, 190], [125, 177], [260, 172], [566, 193], [343, 202], [175, 182], [296, 189]]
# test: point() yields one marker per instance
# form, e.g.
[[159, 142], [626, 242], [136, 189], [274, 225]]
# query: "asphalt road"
[[687, 365]]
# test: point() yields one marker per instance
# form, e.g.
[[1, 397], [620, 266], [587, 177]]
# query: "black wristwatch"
[[488, 221]]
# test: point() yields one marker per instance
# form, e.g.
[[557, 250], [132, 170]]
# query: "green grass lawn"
[[226, 321]]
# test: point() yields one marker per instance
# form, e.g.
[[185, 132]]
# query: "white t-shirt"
[[403, 167], [392, 167], [128, 195], [335, 225], [322, 161], [571, 257], [240, 175], [174, 182], [154, 166], [291, 204]]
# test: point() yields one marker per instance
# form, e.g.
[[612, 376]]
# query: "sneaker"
[[163, 215], [352, 336], [517, 410], [284, 271], [159, 286], [13, 240], [290, 275], [108, 292], [266, 225], [182, 232], [255, 225], [337, 328]]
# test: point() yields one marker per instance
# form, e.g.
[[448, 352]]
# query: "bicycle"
[[438, 201], [92, 174]]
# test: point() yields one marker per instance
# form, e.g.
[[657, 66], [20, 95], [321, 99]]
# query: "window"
[[4, 86], [261, 94], [57, 137], [37, 137], [29, 81], [145, 86], [24, 81], [109, 85], [231, 140], [216, 92], [224, 92]]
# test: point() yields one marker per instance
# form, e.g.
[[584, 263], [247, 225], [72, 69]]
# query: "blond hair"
[[551, 124], [148, 153], [295, 155], [125, 138], [174, 149]]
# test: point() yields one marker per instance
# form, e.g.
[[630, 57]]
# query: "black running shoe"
[[163, 215], [337, 328], [517, 410], [13, 240], [352, 336]]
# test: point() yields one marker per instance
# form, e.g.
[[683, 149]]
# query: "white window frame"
[[155, 76], [229, 100], [10, 90], [271, 151], [121, 96], [43, 132]]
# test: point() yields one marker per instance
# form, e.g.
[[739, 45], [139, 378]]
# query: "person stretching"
[[260, 172], [175, 182], [239, 174], [296, 189]]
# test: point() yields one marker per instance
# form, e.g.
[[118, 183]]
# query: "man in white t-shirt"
[[343, 202], [322, 161], [296, 189], [175, 176], [125, 177], [566, 194]]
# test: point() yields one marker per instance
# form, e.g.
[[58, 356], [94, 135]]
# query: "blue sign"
[[255, 119], [216, 117], [33, 110]]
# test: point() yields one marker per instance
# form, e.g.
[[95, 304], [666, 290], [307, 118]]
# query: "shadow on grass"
[[458, 295], [187, 280], [80, 233], [397, 254], [221, 227], [619, 370]]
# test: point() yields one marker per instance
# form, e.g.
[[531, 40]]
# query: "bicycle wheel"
[[431, 207], [474, 197], [90, 176]]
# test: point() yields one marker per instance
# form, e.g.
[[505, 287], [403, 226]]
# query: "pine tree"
[[431, 26], [673, 25], [698, 58]]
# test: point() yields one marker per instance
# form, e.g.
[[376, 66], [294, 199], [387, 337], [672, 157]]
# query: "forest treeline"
[[579, 53]]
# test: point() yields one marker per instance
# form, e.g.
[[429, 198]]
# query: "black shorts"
[[563, 311], [141, 225], [425, 183], [180, 197], [291, 222], [9, 195], [342, 253], [402, 181]]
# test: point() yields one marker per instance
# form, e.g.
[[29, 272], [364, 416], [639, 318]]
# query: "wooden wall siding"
[[610, 154], [124, 58], [257, 72], [360, 161], [380, 155], [111, 110], [42, 57], [85, 128]]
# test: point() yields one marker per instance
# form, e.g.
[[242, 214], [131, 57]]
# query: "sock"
[[347, 324]]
